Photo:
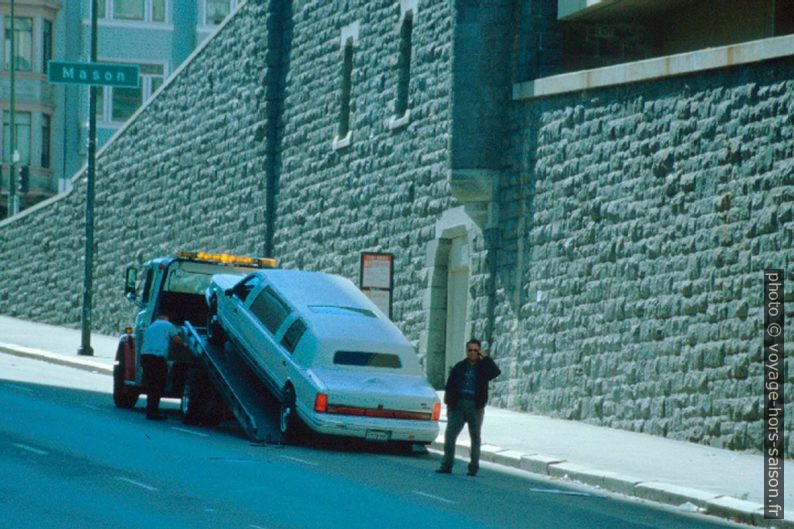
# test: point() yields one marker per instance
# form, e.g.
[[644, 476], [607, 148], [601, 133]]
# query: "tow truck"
[[211, 379]]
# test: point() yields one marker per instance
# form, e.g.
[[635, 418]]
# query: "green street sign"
[[90, 73]]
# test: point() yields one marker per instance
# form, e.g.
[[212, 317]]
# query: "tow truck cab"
[[176, 284]]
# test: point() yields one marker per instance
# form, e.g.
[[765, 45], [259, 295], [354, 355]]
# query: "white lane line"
[[433, 496], [185, 430], [92, 407], [559, 491], [20, 388], [31, 449], [256, 527], [299, 460], [137, 483]]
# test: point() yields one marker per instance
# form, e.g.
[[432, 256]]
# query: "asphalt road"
[[70, 460]]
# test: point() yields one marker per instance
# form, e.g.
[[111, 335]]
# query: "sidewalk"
[[698, 478]]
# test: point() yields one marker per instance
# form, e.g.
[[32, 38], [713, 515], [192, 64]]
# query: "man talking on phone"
[[465, 396]]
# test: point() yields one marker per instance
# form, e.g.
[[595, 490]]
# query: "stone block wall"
[[250, 113], [617, 278], [385, 191], [636, 227], [186, 174]]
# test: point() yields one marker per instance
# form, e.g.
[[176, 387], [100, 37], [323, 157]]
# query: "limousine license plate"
[[377, 435]]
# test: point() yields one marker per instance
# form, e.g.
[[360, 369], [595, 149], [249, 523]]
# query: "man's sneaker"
[[443, 470], [471, 473]]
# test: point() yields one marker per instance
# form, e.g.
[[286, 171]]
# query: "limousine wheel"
[[289, 422]]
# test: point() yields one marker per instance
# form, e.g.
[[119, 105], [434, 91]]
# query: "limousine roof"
[[339, 315], [334, 307]]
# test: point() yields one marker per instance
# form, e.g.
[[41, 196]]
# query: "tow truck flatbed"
[[243, 392]]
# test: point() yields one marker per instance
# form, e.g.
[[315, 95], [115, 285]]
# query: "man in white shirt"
[[157, 341]]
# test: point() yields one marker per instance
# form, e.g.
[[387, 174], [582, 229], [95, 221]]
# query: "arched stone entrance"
[[447, 300]]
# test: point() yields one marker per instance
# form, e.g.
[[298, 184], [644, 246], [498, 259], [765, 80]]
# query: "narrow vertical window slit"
[[347, 80], [404, 66]]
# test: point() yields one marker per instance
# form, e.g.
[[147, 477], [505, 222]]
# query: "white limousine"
[[335, 362]]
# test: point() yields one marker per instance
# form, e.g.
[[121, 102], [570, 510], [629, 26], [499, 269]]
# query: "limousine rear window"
[[344, 311], [358, 358]]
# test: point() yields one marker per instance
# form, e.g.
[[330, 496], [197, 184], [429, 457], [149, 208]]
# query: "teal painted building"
[[51, 121]]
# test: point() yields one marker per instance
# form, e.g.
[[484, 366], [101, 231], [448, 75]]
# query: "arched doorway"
[[457, 301], [447, 302]]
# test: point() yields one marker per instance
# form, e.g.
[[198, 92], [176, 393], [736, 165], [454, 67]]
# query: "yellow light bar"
[[224, 258]]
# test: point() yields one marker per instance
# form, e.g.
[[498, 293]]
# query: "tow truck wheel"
[[289, 423], [193, 405], [123, 396], [215, 334]]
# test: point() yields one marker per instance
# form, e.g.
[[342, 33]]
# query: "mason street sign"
[[91, 73]]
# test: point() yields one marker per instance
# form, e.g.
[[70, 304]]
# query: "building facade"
[[547, 175], [51, 121]]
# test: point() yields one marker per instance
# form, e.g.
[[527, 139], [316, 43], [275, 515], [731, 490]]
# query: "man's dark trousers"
[[464, 411], [155, 371]]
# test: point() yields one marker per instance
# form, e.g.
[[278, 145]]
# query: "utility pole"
[[88, 280], [13, 203]]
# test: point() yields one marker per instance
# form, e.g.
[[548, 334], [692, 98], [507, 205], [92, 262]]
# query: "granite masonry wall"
[[243, 137], [637, 224], [386, 190], [618, 277], [187, 173]]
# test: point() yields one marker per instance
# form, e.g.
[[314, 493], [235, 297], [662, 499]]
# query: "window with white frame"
[[117, 104], [23, 43], [215, 11], [21, 136], [132, 10]]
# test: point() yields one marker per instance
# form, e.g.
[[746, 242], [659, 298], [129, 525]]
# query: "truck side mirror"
[[131, 279]]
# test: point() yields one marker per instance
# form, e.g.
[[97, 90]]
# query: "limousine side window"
[[242, 289], [293, 335], [270, 309]]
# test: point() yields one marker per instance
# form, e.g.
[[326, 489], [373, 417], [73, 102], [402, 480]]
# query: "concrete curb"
[[688, 499], [38, 354]]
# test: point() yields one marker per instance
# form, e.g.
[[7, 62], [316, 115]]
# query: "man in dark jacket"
[[465, 396]]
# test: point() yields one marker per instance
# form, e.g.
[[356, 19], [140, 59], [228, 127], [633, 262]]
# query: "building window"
[[347, 44], [117, 104], [404, 65], [134, 10], [46, 44], [45, 140], [125, 101], [23, 43], [158, 10], [347, 85], [129, 9], [21, 136], [215, 11]]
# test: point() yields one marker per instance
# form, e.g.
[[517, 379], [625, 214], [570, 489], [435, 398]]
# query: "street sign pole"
[[93, 74], [13, 204], [88, 281]]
